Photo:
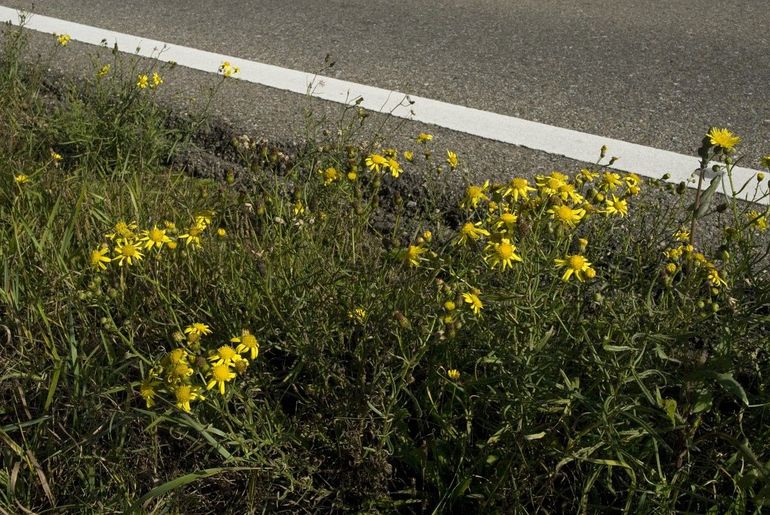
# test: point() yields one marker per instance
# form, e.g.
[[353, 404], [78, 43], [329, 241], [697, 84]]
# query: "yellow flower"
[[682, 235], [103, 71], [757, 219], [157, 80], [518, 188], [674, 253], [566, 215], [575, 264], [225, 355], [449, 305], [412, 255], [228, 70], [193, 235], [427, 236], [358, 315], [424, 137], [56, 157], [765, 161], [99, 258], [501, 254], [128, 252], [222, 232], [474, 301], [247, 342], [179, 372], [451, 159], [408, 155], [21, 179], [394, 167], [474, 194], [610, 181], [352, 176], [376, 162], [715, 279], [185, 394], [298, 208], [330, 175], [616, 206], [178, 355], [586, 175], [722, 138], [123, 230], [551, 184], [471, 231], [197, 328], [62, 39], [147, 391], [671, 268], [453, 374], [142, 81], [568, 192], [155, 238], [219, 375]]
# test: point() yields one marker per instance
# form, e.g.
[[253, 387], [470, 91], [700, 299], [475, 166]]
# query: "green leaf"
[[181, 481]]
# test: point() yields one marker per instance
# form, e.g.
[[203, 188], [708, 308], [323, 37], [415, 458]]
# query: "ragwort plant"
[[573, 344]]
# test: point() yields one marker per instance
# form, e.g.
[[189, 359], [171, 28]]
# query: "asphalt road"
[[652, 72]]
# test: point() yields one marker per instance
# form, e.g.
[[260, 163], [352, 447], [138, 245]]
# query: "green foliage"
[[640, 386]]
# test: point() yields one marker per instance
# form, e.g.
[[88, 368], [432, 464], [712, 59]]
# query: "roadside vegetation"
[[296, 338]]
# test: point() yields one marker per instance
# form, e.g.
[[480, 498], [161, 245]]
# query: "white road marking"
[[580, 146]]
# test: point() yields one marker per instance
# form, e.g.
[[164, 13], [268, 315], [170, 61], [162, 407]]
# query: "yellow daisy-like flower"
[[155, 238], [157, 80], [758, 220], [671, 268], [723, 138], [185, 394], [506, 221], [21, 179], [453, 374], [616, 206], [63, 39], [127, 252], [376, 162], [225, 355], [103, 71], [586, 175], [228, 70], [424, 137], [56, 157], [567, 191], [298, 208], [147, 389], [247, 342], [178, 355], [197, 328], [179, 372], [518, 188], [566, 215], [123, 230], [610, 181], [474, 301], [222, 232], [409, 155], [412, 255], [330, 175], [674, 253], [451, 159], [551, 184], [471, 231], [576, 265], [475, 194], [501, 254], [394, 167], [682, 235], [99, 258], [219, 375], [142, 81], [715, 279], [193, 235]]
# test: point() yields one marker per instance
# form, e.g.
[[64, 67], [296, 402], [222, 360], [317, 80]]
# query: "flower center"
[[577, 262], [221, 372], [505, 250]]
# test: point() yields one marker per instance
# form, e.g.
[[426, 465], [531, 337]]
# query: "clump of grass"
[[172, 343]]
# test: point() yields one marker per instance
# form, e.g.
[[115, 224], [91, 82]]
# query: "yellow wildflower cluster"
[[189, 369], [143, 81], [127, 244], [556, 199], [685, 259]]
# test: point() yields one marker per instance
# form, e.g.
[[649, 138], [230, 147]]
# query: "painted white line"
[[580, 146]]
